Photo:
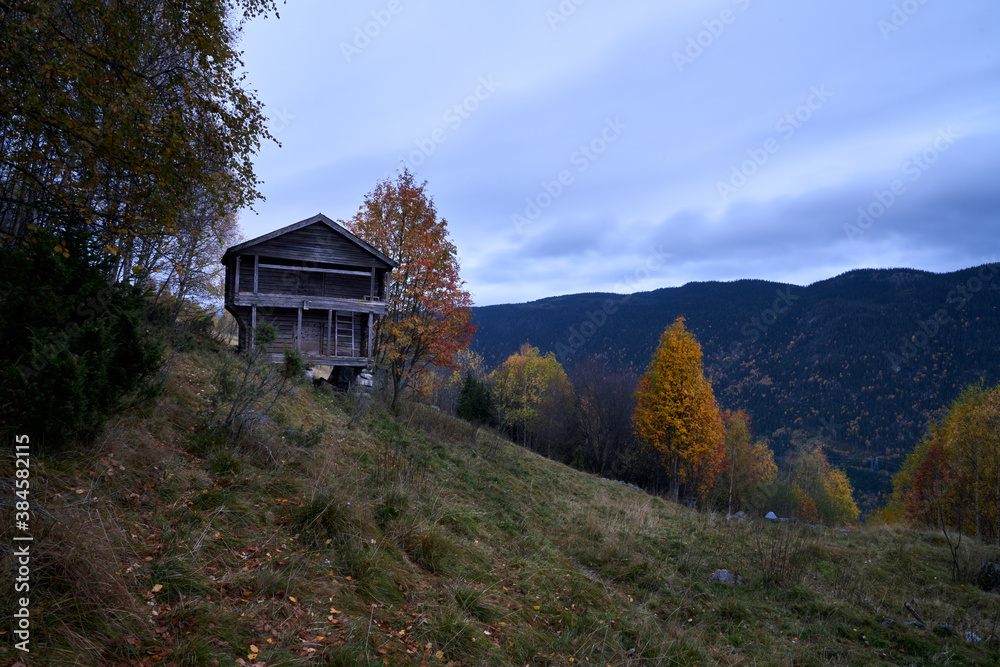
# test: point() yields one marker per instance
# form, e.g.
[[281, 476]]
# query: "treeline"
[[662, 431], [860, 358]]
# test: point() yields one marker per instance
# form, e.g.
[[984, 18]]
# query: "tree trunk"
[[732, 476], [674, 481], [975, 495], [397, 386], [996, 505]]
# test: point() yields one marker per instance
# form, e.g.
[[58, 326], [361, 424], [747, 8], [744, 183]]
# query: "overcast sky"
[[585, 145]]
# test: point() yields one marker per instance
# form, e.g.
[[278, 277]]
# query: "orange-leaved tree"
[[676, 413], [428, 318]]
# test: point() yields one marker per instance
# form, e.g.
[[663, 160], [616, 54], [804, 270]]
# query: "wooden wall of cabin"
[[287, 280], [315, 324], [315, 243]]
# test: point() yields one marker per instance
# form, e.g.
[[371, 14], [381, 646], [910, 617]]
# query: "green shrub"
[[294, 367], [247, 388], [74, 346]]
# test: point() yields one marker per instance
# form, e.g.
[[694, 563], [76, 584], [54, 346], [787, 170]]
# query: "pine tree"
[[474, 401]]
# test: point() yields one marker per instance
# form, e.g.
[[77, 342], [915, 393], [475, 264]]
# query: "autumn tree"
[[533, 397], [114, 114], [676, 413], [972, 442], [895, 510], [749, 464], [428, 318], [820, 489], [952, 477], [930, 480]]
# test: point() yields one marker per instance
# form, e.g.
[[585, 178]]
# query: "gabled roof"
[[319, 218]]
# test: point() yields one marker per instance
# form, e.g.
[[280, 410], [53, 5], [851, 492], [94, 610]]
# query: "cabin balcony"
[[365, 304]]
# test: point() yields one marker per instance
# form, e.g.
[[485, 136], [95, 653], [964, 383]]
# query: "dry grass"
[[81, 577]]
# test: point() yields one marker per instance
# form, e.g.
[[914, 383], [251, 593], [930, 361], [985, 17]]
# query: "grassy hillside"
[[420, 541]]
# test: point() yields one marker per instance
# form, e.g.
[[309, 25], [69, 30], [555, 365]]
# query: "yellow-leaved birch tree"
[[676, 413]]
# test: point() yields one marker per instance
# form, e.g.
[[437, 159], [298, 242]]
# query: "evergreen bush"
[[73, 345]]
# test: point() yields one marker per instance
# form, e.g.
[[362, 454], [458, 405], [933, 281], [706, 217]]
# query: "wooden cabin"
[[319, 284]]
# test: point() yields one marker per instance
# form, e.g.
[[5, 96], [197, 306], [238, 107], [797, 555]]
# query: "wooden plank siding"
[[318, 243], [317, 327], [307, 282], [284, 322]]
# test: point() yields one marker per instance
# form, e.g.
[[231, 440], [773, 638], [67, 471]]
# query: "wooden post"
[[236, 285], [329, 325], [298, 332], [253, 324], [372, 291], [256, 271], [371, 318], [336, 335]]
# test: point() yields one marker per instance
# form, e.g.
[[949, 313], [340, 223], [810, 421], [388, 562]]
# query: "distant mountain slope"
[[862, 358]]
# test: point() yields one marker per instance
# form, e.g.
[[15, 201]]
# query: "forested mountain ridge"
[[863, 359]]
